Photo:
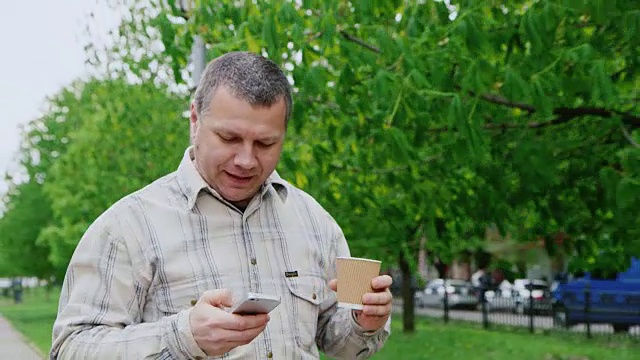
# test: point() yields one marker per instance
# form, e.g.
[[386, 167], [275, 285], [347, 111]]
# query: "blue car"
[[596, 301]]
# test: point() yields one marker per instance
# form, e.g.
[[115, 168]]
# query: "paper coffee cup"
[[354, 280]]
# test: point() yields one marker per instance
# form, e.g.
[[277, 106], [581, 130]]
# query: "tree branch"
[[628, 136], [359, 41], [569, 113], [564, 115], [562, 112], [497, 99]]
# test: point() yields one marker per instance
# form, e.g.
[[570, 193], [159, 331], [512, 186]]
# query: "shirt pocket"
[[178, 296], [306, 294]]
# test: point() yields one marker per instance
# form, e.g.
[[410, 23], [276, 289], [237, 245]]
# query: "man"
[[153, 276]]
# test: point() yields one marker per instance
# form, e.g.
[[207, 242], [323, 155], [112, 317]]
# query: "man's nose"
[[245, 158]]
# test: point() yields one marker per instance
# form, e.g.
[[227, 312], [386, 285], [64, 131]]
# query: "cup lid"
[[357, 258]]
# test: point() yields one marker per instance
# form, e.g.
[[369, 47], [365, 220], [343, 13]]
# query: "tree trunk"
[[441, 268], [408, 316]]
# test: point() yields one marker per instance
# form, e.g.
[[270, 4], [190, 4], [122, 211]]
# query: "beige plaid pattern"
[[137, 270]]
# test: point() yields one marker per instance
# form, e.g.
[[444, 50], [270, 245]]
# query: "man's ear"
[[193, 122], [193, 117]]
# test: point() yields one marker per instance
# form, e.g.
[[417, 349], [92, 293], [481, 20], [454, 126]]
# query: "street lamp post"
[[199, 58], [198, 50]]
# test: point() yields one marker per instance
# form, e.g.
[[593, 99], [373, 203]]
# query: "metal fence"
[[587, 312]]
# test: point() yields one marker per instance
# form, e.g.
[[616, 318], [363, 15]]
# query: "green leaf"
[[401, 150], [627, 193], [442, 12], [533, 30], [603, 88], [542, 98], [252, 44], [270, 37], [515, 88], [315, 79], [386, 43]]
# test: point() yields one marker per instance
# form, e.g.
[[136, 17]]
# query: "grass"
[[432, 339], [435, 340], [33, 318]]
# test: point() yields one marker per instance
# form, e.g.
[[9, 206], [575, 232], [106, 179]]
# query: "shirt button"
[[193, 302], [269, 355], [254, 261], [313, 296]]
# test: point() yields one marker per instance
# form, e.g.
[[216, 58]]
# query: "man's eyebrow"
[[224, 130], [227, 132], [271, 138], [232, 133]]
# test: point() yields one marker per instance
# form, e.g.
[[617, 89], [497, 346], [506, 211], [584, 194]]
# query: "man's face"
[[236, 145]]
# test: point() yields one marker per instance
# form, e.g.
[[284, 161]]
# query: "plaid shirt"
[[141, 265]]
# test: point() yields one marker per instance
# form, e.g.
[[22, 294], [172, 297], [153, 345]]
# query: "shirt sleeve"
[[339, 335], [100, 309]]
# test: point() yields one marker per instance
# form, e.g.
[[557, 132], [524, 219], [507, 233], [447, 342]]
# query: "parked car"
[[396, 286], [500, 298], [459, 294], [531, 296], [604, 301]]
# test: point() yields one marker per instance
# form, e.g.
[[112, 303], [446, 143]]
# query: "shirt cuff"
[[361, 332], [185, 344]]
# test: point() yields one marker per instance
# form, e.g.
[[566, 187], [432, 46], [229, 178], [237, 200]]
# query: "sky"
[[41, 51]]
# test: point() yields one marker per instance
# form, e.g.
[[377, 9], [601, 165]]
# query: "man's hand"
[[377, 304], [217, 331]]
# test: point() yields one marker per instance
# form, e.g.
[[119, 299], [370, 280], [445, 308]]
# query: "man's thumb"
[[333, 284], [217, 298]]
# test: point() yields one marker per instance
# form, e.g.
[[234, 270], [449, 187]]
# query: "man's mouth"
[[239, 178]]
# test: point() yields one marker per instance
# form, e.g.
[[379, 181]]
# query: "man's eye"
[[227, 138], [263, 144]]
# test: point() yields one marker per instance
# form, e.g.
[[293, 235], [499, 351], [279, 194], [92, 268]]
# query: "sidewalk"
[[13, 346]]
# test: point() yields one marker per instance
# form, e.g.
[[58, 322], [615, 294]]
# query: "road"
[[507, 318], [13, 345]]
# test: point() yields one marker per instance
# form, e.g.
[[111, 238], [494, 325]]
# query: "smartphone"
[[253, 303]]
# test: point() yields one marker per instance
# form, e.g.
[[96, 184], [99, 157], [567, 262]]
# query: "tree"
[[98, 141], [28, 209], [131, 134], [26, 213], [419, 118]]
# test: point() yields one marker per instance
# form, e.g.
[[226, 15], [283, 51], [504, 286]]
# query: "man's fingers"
[[377, 310], [380, 298], [382, 282], [246, 336], [333, 284], [217, 298], [244, 322]]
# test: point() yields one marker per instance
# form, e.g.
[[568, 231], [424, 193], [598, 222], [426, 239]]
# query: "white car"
[[459, 293], [525, 290]]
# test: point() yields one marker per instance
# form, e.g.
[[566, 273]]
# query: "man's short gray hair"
[[248, 76]]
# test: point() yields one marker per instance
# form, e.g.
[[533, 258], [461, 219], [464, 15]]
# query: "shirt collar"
[[189, 179], [276, 183], [191, 182]]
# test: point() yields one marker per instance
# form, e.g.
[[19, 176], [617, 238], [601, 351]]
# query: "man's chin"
[[235, 197]]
